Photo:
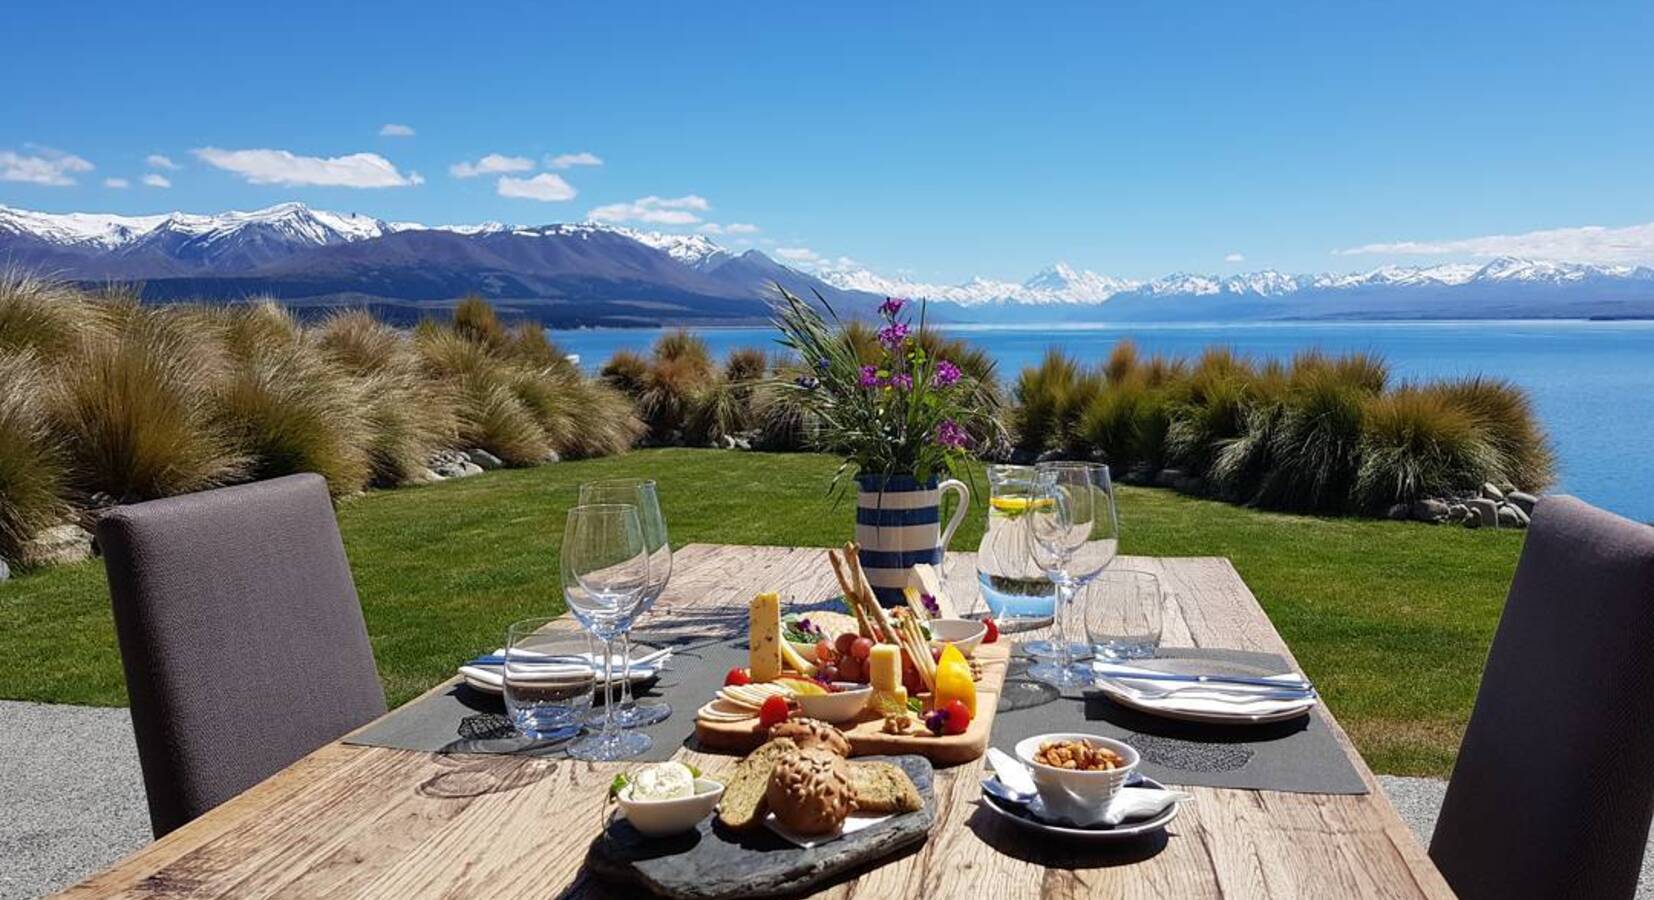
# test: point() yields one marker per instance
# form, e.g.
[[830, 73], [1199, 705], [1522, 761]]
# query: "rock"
[[1491, 492], [1485, 511], [1456, 512], [1512, 517], [424, 476], [470, 468], [1399, 512], [484, 459], [742, 443], [5, 569], [1169, 477], [1430, 510], [460, 469], [552, 456], [59, 545], [1472, 521], [1522, 501], [1050, 456], [1193, 485]]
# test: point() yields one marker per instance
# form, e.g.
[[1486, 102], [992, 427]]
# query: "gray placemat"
[[463, 720], [1299, 755]]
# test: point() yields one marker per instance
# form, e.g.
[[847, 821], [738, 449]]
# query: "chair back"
[[1553, 789], [241, 635]]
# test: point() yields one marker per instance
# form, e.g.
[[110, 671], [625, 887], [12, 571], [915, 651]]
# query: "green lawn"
[[1392, 619]]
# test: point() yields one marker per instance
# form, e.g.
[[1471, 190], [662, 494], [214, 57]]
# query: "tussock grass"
[[1417, 443], [288, 410], [32, 476], [1504, 413], [1050, 399]]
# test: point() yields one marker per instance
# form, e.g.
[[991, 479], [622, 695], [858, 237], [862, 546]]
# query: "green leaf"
[[620, 781]]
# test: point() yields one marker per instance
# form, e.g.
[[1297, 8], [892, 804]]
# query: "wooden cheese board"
[[866, 732]]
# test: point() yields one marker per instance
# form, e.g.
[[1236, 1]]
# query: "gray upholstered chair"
[[1554, 785], [241, 636]]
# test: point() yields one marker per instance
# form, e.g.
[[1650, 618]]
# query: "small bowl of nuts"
[[1077, 774]]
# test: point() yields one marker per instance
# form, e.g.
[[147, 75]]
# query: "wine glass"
[[643, 494], [605, 569], [1073, 534]]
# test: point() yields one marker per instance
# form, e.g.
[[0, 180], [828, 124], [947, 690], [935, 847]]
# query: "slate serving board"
[[713, 862]]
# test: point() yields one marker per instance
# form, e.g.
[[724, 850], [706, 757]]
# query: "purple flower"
[[931, 606], [902, 381], [946, 373], [950, 435], [869, 376], [823, 364], [893, 335], [891, 306]]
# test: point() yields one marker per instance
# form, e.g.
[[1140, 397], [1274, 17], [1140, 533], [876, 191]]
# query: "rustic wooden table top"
[[361, 821]]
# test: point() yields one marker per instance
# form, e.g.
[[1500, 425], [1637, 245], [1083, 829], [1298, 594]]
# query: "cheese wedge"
[[885, 667], [890, 702], [764, 636]]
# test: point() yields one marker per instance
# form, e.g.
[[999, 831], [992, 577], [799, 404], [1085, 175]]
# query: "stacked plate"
[[1205, 690]]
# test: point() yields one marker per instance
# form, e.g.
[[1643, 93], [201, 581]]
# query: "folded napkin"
[[1129, 803], [488, 669], [1180, 682]]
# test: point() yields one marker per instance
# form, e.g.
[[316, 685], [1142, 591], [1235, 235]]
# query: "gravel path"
[[75, 797]]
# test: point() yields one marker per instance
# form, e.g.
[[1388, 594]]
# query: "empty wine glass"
[[605, 570], [641, 493], [1073, 535]]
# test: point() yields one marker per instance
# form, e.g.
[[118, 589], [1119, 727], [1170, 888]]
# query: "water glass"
[[605, 572], [1124, 610], [549, 680], [643, 494]]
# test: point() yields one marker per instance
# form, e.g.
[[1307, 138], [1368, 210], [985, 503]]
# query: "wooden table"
[[359, 821]]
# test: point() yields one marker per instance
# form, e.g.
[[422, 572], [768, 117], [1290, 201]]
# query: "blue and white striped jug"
[[898, 525]]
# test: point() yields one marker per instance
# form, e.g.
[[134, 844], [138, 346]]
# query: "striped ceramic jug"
[[898, 525]]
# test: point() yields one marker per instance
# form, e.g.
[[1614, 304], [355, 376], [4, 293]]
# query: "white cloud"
[[568, 160], [157, 180], [1585, 244], [655, 210], [1234, 258], [544, 186], [395, 130], [357, 170], [805, 258], [117, 183], [802, 255], [492, 164], [43, 165], [157, 161], [732, 228]]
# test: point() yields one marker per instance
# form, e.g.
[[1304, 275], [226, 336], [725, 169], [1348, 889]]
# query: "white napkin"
[[852, 824], [493, 676], [1129, 803], [1117, 672]]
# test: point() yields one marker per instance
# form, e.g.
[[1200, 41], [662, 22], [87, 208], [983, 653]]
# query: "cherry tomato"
[[862, 648], [775, 710], [959, 718], [842, 644], [993, 631], [737, 676], [824, 651]]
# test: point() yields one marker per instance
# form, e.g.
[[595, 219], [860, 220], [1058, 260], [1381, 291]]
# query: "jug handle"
[[954, 484]]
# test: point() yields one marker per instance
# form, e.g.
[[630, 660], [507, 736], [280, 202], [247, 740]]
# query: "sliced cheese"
[[889, 702], [885, 667], [764, 636]]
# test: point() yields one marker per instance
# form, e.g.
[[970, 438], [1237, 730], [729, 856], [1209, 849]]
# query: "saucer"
[[1024, 817]]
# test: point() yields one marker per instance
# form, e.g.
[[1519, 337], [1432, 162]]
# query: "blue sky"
[[936, 140]]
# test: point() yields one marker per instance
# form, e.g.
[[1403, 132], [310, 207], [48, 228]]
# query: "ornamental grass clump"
[[1050, 399], [44, 316], [408, 416], [1417, 443], [1505, 416], [32, 475], [904, 413]]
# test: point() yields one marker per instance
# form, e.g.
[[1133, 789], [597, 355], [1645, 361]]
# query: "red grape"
[[862, 648], [830, 672], [842, 645], [824, 651], [850, 669]]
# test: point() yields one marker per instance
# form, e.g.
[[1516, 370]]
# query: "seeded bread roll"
[[742, 805], [810, 792], [882, 787], [812, 734]]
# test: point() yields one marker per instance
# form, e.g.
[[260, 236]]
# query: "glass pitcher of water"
[[1016, 591]]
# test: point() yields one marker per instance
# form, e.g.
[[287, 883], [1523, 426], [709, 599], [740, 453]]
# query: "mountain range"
[[594, 274]]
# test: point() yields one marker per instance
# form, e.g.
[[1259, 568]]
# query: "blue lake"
[[1591, 382]]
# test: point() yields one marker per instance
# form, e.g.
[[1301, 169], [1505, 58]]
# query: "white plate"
[[487, 679], [1190, 706], [1022, 818]]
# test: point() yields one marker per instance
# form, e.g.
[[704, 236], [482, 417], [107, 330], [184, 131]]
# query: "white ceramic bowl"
[[844, 704], [966, 634], [659, 818], [1070, 792]]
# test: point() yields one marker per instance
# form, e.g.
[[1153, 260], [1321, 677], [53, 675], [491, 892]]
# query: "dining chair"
[[241, 635], [1553, 789]]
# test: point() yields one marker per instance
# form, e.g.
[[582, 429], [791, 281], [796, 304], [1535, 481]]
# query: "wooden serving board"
[[866, 734]]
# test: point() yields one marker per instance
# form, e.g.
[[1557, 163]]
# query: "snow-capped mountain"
[[595, 273]]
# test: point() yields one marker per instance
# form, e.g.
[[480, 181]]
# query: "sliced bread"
[[742, 806], [882, 787]]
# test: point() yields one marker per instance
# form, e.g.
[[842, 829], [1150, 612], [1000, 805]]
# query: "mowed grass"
[[1392, 619]]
